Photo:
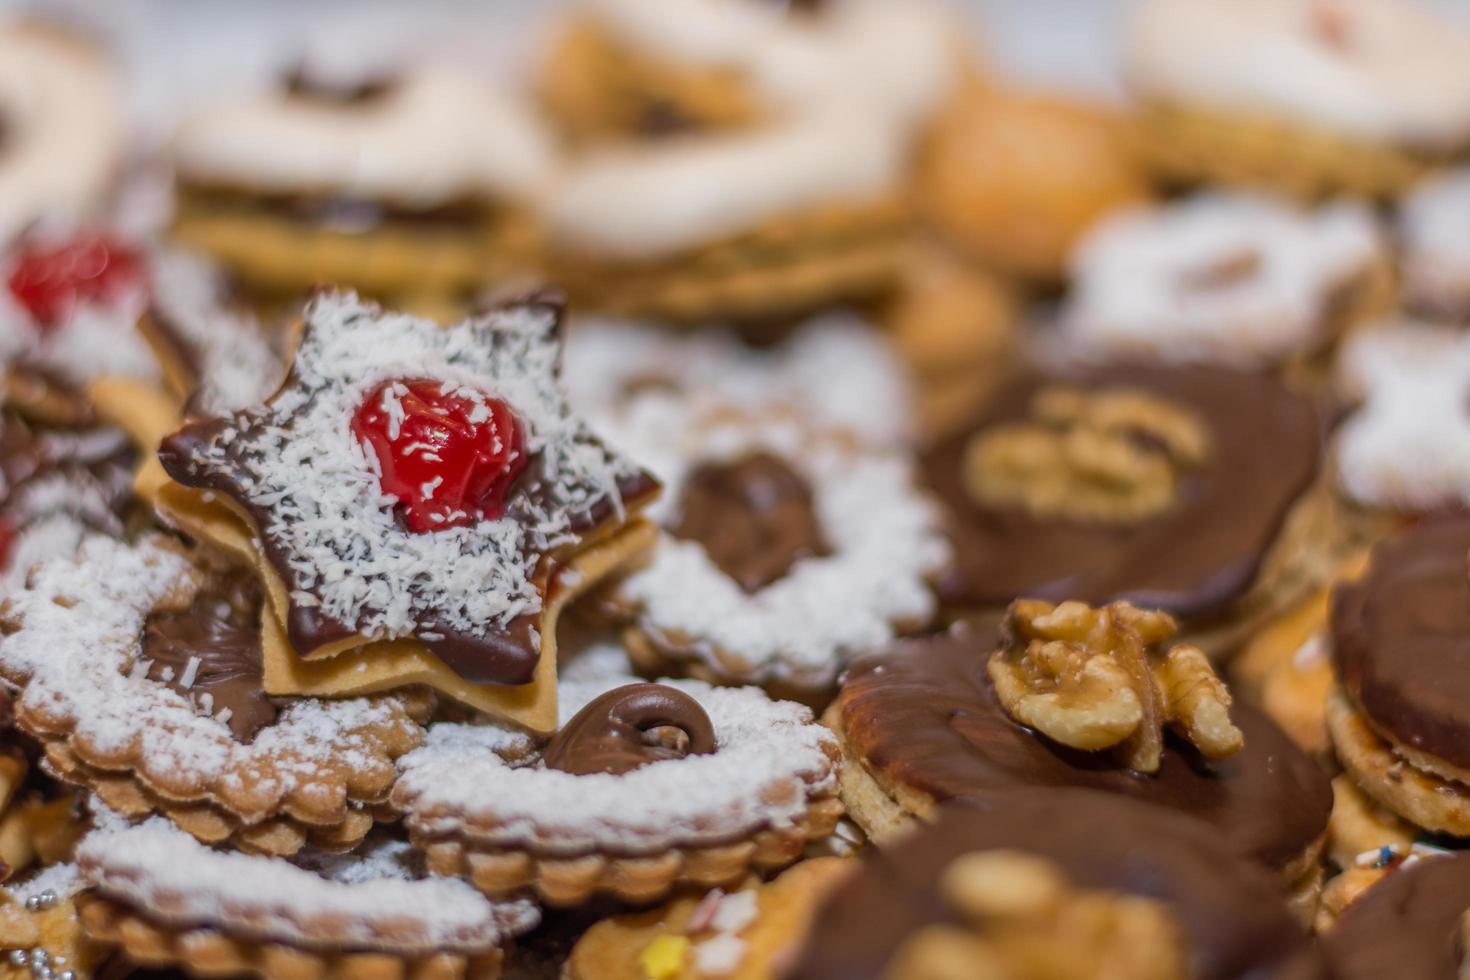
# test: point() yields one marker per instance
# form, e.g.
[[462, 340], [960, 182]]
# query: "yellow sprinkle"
[[663, 959]]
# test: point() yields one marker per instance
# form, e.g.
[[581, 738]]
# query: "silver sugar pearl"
[[33, 903], [43, 972], [66, 975], [18, 957], [39, 957], [48, 898]]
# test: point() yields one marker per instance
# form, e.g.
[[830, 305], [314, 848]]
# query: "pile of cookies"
[[767, 497]]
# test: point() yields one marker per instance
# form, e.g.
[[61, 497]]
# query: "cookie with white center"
[[167, 901], [140, 671], [1233, 279], [410, 182], [646, 786], [419, 503], [786, 550]]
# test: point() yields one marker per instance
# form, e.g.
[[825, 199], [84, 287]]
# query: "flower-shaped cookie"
[[420, 504], [646, 785], [139, 670]]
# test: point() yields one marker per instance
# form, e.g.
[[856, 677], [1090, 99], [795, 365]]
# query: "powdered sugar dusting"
[[61, 880], [771, 755], [1434, 228], [296, 460], [1216, 278], [377, 905], [74, 656], [1408, 446]]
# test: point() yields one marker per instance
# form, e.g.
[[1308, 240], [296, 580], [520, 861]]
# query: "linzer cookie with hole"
[[1074, 696], [411, 184], [1195, 490], [1056, 884], [802, 168], [644, 787], [1306, 97], [165, 900], [418, 503], [1226, 278], [786, 550], [140, 671]]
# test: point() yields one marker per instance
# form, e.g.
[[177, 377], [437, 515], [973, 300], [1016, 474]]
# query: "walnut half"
[[1020, 919], [1100, 678]]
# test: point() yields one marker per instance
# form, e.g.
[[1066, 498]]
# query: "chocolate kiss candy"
[[629, 727]]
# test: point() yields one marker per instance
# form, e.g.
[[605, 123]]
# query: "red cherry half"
[[449, 457], [50, 280]]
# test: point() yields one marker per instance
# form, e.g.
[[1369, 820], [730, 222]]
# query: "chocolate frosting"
[[101, 458], [221, 630], [1234, 922], [926, 716], [753, 516], [1407, 925], [629, 727], [1401, 639], [1193, 560]]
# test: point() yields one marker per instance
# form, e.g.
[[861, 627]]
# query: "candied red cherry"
[[449, 455], [51, 280], [7, 542]]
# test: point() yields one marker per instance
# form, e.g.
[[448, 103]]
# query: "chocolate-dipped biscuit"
[[1408, 925], [1195, 555], [1232, 922], [924, 719]]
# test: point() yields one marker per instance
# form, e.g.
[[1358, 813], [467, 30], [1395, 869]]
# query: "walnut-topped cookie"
[[140, 671], [419, 503]]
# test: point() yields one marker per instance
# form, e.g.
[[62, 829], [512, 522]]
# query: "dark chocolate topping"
[[926, 716], [100, 460], [220, 634], [753, 516], [629, 727], [1234, 922], [301, 82], [1193, 560], [1407, 926], [1401, 639]]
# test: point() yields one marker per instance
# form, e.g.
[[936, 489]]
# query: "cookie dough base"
[[1193, 145], [203, 951], [886, 810], [567, 881], [1382, 771]]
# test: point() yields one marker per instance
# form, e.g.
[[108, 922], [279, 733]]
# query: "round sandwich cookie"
[[1072, 696], [644, 787], [1056, 883], [1411, 925], [1195, 490]]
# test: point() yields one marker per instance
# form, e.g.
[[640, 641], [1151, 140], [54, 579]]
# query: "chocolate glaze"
[[753, 516], [1193, 560], [222, 630], [926, 716], [1232, 917], [506, 654], [1401, 639], [340, 211], [629, 727], [1406, 926], [99, 458], [301, 82]]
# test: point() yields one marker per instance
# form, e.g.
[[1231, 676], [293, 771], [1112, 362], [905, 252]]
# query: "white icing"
[[771, 756], [1374, 69], [320, 491], [845, 90], [1407, 447], [1141, 279], [835, 372], [63, 128], [61, 880], [78, 645], [237, 366], [437, 135], [1434, 233], [372, 901]]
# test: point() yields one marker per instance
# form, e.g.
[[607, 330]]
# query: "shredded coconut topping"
[[237, 367], [474, 779], [76, 657], [1434, 230], [369, 901], [835, 372], [297, 461], [1408, 445], [1225, 278]]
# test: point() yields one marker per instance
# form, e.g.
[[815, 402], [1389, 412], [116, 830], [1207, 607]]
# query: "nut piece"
[[1025, 921], [1111, 456], [1096, 679]]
